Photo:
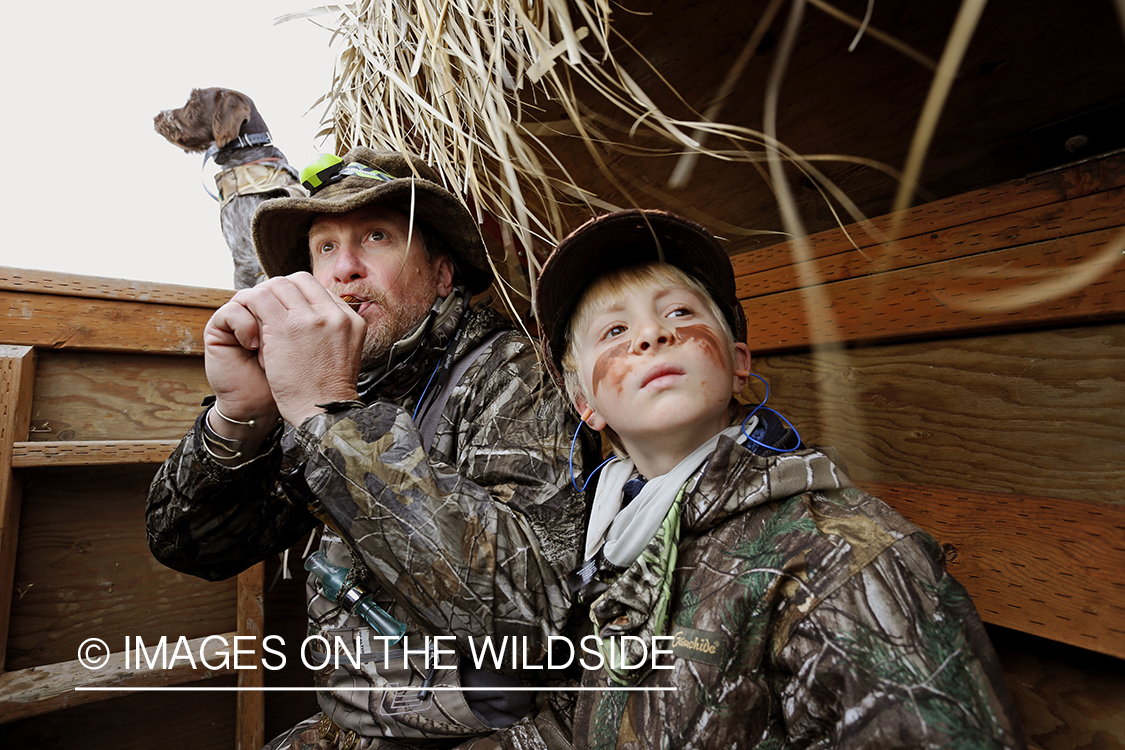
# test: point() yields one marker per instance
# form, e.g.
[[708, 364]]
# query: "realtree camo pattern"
[[543, 730], [805, 614], [472, 537]]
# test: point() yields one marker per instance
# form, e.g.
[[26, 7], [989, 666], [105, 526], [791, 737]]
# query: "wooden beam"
[[924, 245], [74, 285], [41, 690], [1034, 196], [17, 386], [251, 718], [1068, 280], [60, 322], [1034, 252], [1040, 565], [34, 454]]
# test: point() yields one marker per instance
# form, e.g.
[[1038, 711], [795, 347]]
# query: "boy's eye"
[[326, 247], [615, 331], [680, 312]]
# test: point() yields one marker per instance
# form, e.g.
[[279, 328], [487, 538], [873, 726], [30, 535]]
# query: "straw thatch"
[[460, 84]]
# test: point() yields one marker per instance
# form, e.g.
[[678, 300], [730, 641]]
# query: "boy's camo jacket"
[[474, 537], [804, 613]]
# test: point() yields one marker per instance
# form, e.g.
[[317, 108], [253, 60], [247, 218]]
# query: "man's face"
[[655, 361], [365, 253]]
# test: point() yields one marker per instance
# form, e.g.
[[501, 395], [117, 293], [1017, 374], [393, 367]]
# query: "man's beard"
[[395, 323]]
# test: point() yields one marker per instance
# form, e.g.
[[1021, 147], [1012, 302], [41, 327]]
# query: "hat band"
[[330, 168]]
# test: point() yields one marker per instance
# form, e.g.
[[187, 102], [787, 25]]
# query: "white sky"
[[88, 186]]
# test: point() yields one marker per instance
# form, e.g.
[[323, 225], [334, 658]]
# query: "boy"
[[791, 609]]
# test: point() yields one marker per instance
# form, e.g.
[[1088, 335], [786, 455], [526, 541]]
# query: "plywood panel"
[[1067, 698], [1033, 412], [1040, 565], [105, 396], [84, 570]]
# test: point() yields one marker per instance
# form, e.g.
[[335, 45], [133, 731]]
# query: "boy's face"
[[656, 365]]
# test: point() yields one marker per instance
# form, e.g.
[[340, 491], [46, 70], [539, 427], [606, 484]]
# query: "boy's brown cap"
[[281, 225], [625, 238]]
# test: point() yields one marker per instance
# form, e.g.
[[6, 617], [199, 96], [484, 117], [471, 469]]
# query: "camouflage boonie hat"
[[626, 238], [367, 177]]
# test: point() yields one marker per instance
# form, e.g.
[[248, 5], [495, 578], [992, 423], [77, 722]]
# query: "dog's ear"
[[231, 110]]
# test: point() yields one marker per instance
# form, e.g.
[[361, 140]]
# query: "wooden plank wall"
[[100, 378], [1034, 252], [971, 371]]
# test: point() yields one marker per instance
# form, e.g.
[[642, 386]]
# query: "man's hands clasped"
[[280, 348]]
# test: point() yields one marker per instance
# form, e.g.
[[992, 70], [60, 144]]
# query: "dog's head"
[[212, 115]]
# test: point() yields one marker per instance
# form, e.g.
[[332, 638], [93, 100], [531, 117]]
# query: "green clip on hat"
[[625, 238], [366, 177]]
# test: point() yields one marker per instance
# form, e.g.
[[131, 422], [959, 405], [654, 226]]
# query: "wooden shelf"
[[31, 454], [41, 690]]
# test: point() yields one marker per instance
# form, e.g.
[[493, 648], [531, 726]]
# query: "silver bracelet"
[[212, 440], [211, 451], [225, 418]]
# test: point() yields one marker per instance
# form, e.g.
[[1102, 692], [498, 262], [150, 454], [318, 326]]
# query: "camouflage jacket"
[[803, 613], [470, 538]]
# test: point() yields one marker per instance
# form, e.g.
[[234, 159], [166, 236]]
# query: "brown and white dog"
[[225, 124]]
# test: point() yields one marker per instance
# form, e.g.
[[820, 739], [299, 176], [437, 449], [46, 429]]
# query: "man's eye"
[[326, 247], [377, 236]]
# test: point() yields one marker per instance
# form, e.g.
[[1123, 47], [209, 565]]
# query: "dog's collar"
[[250, 139], [242, 141]]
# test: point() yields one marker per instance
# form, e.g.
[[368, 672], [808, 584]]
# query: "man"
[[358, 392]]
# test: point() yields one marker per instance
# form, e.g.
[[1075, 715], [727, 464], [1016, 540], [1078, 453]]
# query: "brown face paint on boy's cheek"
[[707, 340], [610, 364]]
